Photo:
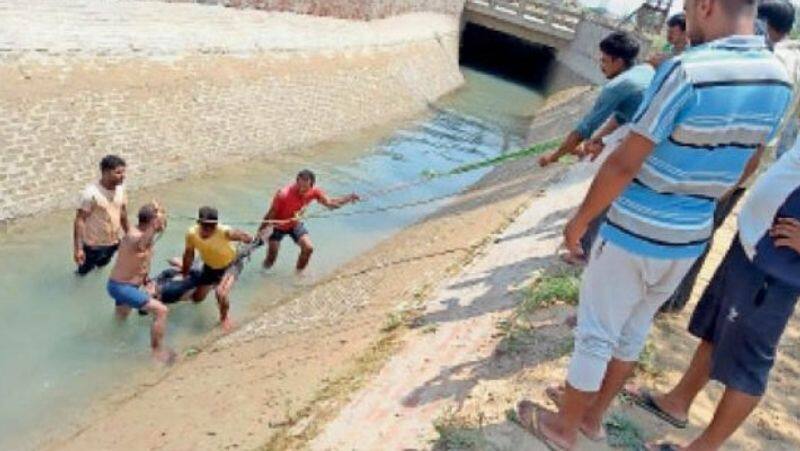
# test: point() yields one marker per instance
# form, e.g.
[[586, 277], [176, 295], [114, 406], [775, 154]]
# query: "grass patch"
[[562, 286], [624, 433], [647, 361], [458, 435]]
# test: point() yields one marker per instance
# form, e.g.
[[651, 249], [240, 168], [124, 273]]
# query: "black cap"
[[208, 215]]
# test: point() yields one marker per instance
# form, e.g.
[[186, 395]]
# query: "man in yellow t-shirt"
[[214, 242]]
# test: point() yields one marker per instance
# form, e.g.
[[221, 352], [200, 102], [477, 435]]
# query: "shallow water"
[[59, 345]]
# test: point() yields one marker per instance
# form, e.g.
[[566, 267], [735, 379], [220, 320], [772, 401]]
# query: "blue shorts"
[[127, 294], [296, 233], [743, 313]]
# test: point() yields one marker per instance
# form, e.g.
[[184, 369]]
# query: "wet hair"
[[111, 162], [207, 215], [147, 214], [677, 20], [307, 174], [778, 14], [620, 45]]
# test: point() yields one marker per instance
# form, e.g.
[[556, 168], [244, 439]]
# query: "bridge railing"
[[537, 11]]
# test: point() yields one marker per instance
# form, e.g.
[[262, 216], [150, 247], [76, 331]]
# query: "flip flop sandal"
[[528, 416], [554, 394], [666, 447], [644, 399]]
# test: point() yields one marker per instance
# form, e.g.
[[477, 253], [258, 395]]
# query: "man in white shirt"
[[101, 217]]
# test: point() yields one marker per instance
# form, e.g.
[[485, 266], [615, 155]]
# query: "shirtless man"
[[129, 277], [101, 217], [287, 203]]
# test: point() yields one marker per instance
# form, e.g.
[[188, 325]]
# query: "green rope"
[[494, 161], [427, 176]]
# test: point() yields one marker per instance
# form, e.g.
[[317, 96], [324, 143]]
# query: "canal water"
[[60, 348]]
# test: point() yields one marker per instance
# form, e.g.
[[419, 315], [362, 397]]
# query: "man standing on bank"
[[286, 205], [701, 126], [101, 217]]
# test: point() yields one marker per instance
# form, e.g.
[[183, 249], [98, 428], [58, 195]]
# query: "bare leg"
[[677, 401], [222, 292], [306, 249], [157, 331], [617, 373], [272, 253], [201, 292], [562, 427], [731, 412], [122, 312]]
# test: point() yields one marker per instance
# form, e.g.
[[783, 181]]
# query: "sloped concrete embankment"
[[178, 88]]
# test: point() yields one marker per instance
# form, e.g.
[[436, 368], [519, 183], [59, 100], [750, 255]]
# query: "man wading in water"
[[129, 277], [286, 205], [101, 216], [214, 242]]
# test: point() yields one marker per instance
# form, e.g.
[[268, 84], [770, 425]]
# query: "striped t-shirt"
[[707, 111]]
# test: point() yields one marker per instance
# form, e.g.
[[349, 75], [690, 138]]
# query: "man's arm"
[[239, 235], [569, 146], [603, 107], [148, 237], [188, 259], [77, 236], [594, 147], [123, 218], [337, 202], [613, 177]]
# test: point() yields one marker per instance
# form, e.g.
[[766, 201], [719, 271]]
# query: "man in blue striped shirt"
[[700, 130]]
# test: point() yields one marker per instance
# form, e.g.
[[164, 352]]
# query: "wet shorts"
[[296, 233], [171, 288], [743, 312], [127, 294], [211, 276], [96, 257]]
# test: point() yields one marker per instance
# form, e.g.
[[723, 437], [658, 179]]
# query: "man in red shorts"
[[287, 203]]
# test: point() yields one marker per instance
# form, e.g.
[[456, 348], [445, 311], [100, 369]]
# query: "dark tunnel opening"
[[506, 56]]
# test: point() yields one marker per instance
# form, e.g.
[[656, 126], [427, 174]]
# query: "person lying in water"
[[214, 242], [128, 284], [286, 205]]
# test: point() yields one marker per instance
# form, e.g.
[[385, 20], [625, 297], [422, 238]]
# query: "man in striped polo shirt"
[[700, 129]]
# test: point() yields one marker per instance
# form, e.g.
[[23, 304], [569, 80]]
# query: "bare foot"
[[164, 356], [227, 325], [573, 260], [266, 265], [175, 262]]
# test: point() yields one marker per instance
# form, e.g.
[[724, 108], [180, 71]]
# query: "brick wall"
[[344, 9]]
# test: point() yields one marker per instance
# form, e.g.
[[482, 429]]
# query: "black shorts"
[[743, 312], [96, 257], [211, 276], [296, 233]]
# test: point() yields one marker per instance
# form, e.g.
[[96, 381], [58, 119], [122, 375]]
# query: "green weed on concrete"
[[562, 286], [624, 433], [454, 436]]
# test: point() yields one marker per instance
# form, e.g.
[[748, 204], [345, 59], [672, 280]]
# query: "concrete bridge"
[[536, 21], [571, 33]]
